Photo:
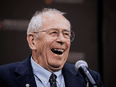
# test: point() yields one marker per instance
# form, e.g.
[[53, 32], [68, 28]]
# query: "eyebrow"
[[62, 29]]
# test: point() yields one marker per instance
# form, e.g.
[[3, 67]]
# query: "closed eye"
[[66, 34]]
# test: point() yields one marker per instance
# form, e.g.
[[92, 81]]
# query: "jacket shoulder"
[[4, 69]]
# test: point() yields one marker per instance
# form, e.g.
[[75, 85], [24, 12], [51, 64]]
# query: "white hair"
[[36, 22]]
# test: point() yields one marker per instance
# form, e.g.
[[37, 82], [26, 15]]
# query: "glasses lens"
[[72, 36], [67, 34]]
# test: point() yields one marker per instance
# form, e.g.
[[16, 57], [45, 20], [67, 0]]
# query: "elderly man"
[[49, 36]]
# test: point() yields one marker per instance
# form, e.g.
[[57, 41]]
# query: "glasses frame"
[[72, 36]]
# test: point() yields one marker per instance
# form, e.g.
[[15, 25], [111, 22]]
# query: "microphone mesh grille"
[[80, 63]]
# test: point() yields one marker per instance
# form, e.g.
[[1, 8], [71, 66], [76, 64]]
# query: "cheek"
[[41, 45], [45, 45], [68, 49], [68, 45]]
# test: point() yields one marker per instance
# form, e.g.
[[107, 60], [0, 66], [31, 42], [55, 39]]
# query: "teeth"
[[61, 50], [57, 51]]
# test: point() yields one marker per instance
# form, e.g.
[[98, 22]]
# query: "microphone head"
[[80, 63]]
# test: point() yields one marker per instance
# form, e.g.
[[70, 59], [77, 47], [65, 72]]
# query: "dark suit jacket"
[[20, 73]]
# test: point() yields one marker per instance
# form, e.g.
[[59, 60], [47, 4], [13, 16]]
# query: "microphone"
[[82, 66]]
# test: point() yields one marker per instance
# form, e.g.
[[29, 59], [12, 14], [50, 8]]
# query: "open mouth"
[[57, 51]]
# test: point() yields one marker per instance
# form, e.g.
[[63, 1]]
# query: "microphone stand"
[[87, 83]]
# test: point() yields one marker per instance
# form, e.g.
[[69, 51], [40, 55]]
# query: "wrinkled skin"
[[41, 47]]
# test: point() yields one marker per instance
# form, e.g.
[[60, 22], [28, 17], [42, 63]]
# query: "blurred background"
[[93, 21]]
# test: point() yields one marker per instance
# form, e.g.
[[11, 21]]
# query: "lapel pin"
[[27, 85]]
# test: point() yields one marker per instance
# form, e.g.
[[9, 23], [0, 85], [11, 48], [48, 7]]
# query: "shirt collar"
[[42, 73]]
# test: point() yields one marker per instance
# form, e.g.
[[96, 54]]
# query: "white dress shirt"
[[42, 76]]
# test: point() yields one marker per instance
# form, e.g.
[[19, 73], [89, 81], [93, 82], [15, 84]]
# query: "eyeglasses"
[[55, 33]]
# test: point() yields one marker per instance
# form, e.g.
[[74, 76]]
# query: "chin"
[[57, 65], [55, 68]]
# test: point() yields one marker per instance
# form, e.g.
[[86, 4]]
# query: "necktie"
[[52, 80]]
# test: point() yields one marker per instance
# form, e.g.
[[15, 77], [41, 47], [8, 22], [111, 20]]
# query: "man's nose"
[[60, 38]]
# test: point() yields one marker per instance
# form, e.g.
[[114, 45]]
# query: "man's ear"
[[31, 37]]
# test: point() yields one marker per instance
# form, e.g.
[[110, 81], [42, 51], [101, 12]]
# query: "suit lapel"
[[72, 79], [24, 74]]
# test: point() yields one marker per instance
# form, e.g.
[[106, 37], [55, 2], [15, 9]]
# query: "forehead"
[[54, 20]]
